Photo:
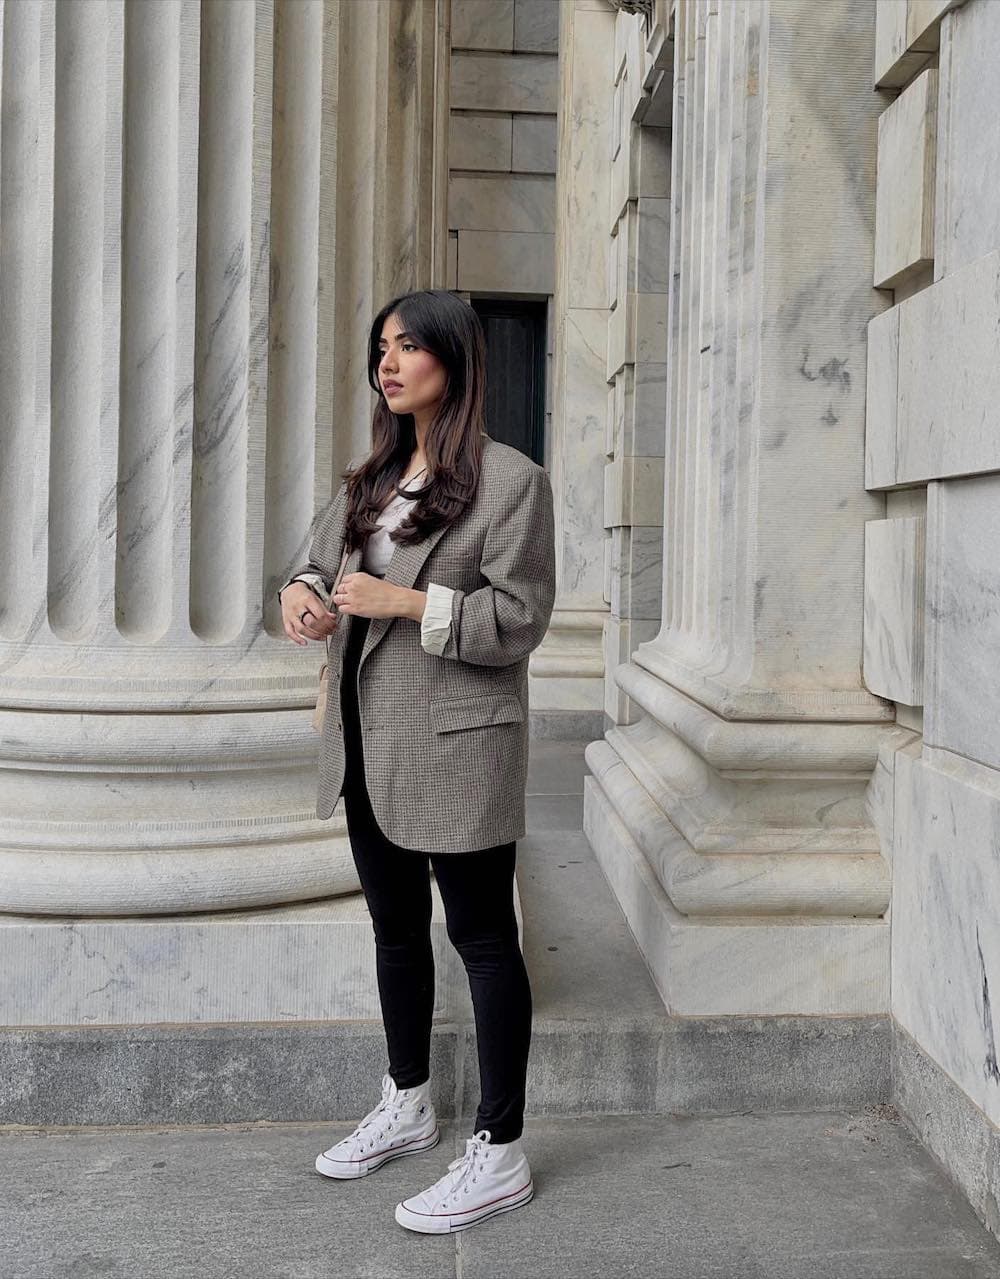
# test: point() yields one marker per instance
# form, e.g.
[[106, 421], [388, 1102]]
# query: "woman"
[[447, 588]]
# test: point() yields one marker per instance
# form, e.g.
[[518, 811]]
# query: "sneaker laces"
[[465, 1166], [377, 1121]]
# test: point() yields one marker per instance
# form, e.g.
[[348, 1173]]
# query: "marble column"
[[567, 669], [734, 816], [201, 205]]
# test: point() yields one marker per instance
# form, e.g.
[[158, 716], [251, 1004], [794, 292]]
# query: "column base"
[[727, 965], [158, 814]]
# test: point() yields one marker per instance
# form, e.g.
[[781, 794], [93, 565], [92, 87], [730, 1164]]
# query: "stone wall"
[[502, 145], [932, 567]]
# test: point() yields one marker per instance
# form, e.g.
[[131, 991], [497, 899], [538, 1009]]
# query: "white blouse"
[[435, 625]]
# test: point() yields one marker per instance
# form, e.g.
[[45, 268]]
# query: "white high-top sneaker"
[[403, 1123], [486, 1180]]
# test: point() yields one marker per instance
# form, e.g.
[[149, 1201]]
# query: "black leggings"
[[477, 891]]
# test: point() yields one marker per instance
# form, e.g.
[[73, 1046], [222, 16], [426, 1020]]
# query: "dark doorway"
[[515, 372]]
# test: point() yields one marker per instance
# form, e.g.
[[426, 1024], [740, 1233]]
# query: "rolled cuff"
[[435, 625]]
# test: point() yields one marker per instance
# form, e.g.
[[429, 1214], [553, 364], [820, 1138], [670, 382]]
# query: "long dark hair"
[[450, 329]]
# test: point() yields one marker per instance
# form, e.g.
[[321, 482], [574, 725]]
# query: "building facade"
[[737, 261]]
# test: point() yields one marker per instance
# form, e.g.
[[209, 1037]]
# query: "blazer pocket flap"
[[449, 713]]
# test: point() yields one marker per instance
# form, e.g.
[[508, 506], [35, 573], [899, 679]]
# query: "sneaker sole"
[[361, 1168], [434, 1226]]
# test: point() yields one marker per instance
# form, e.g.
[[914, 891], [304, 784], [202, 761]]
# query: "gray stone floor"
[[822, 1196], [834, 1195]]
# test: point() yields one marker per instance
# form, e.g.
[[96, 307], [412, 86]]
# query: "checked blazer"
[[445, 738]]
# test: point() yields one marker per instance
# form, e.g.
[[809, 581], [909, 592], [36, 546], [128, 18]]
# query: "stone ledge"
[[231, 1073]]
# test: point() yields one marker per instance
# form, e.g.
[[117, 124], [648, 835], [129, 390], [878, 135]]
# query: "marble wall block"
[[311, 961], [452, 260], [536, 26], [890, 45], [612, 265], [922, 17], [615, 421], [637, 410], [480, 142], [904, 204], [652, 242], [501, 203], [949, 376], [651, 162], [534, 149], [482, 24], [906, 35], [636, 571], [645, 427], [584, 128], [880, 400], [962, 711], [633, 491], [500, 82], [621, 335], [621, 170], [582, 399], [967, 225], [622, 636], [945, 925], [504, 261], [894, 609], [626, 249], [650, 341]]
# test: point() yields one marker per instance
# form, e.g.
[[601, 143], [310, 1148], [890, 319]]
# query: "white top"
[[379, 545], [435, 624]]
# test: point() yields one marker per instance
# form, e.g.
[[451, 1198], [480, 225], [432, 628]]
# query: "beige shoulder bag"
[[320, 711]]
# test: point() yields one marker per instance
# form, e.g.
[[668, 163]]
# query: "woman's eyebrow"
[[403, 334]]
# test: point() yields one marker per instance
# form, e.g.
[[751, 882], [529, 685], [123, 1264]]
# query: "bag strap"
[[333, 588]]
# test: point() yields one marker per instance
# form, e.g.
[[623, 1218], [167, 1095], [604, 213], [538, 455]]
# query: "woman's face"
[[413, 380]]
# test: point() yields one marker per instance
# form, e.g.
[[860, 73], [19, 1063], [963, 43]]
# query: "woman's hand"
[[304, 615], [367, 596]]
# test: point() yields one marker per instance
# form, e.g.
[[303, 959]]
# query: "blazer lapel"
[[404, 564]]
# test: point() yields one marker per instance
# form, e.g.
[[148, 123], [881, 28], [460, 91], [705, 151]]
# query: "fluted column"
[[183, 315], [733, 817]]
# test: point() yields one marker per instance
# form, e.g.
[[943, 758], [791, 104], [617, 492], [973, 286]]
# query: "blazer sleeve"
[[311, 573], [499, 624]]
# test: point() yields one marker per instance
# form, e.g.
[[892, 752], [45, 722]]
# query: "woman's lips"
[[392, 387]]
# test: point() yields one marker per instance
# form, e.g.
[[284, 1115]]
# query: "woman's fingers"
[[313, 626], [304, 617]]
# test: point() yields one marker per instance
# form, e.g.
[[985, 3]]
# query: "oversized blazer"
[[445, 738]]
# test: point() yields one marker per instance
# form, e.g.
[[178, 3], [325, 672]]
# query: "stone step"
[[233, 1073]]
